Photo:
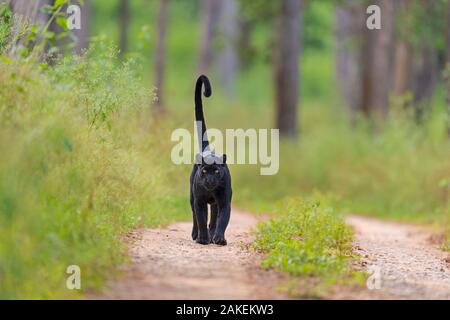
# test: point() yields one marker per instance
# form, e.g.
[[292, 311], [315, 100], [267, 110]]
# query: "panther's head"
[[211, 169]]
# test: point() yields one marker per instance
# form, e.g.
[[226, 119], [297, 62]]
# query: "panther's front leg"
[[201, 213], [222, 223], [213, 221], [194, 227]]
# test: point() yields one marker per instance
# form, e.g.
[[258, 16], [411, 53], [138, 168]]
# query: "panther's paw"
[[211, 235], [220, 240], [202, 240], [194, 235]]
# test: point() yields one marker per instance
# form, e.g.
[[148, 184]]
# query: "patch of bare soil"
[[167, 264], [411, 266]]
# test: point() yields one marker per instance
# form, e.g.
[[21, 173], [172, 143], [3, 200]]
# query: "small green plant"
[[102, 85], [5, 26], [306, 238]]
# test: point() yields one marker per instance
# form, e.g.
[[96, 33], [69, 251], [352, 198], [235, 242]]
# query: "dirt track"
[[167, 264], [410, 264]]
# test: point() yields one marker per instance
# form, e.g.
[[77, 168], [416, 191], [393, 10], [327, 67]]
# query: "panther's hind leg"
[[213, 221], [194, 220]]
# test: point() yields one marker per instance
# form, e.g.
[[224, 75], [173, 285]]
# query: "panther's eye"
[[204, 171], [217, 171]]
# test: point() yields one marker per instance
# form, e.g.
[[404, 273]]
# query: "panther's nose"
[[209, 182]]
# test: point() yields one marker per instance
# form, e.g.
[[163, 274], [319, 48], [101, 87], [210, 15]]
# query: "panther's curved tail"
[[199, 117]]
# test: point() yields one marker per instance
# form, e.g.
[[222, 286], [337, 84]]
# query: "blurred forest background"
[[86, 115]]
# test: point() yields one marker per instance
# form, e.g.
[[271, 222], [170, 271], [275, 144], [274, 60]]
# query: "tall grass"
[[81, 164]]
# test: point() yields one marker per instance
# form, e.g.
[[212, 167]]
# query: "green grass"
[[308, 240], [82, 164]]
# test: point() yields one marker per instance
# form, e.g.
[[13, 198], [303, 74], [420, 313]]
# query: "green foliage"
[[306, 238], [318, 20], [59, 3], [102, 85], [20, 38], [261, 15], [259, 11], [5, 26], [70, 191], [420, 22]]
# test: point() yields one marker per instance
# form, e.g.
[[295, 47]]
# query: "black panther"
[[210, 181]]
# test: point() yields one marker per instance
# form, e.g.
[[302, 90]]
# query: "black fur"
[[210, 183]]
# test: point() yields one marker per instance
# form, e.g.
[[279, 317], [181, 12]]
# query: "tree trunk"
[[245, 50], [426, 72], [210, 16], [425, 67], [350, 24], [403, 52], [402, 67], [378, 53], [287, 67], [447, 72], [30, 9], [27, 13], [228, 58], [82, 35], [447, 33], [124, 19], [161, 52]]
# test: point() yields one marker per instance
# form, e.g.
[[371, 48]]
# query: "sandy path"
[[411, 266], [167, 264]]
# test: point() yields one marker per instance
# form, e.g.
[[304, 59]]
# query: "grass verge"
[[309, 241], [80, 166]]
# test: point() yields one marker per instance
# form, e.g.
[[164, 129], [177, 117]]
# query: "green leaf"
[[5, 60], [444, 183], [59, 3], [62, 22]]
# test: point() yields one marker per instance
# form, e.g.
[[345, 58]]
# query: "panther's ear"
[[224, 158], [198, 158]]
